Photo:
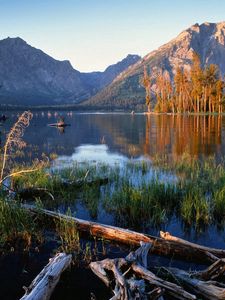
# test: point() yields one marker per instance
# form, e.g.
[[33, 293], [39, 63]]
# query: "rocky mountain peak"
[[207, 39], [30, 76], [17, 41]]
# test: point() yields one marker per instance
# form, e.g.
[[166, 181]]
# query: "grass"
[[140, 194], [195, 208], [148, 203], [68, 234], [17, 227]]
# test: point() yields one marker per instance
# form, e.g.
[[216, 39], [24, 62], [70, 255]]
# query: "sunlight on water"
[[91, 154]]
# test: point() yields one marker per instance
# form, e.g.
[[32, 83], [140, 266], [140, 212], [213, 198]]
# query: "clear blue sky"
[[93, 34]]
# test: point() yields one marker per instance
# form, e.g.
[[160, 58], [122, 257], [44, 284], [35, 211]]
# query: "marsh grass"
[[68, 234], [142, 193], [82, 249], [149, 204], [219, 205], [17, 227], [195, 208], [202, 182]]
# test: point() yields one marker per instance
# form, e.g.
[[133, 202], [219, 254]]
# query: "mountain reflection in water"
[[126, 135]]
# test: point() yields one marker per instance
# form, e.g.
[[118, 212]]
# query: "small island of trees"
[[198, 90]]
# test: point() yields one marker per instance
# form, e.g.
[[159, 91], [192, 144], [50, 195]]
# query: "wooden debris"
[[43, 285], [130, 275], [161, 246], [207, 289], [212, 272], [213, 252]]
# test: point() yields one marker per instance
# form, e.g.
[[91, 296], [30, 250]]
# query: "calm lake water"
[[125, 136], [115, 139]]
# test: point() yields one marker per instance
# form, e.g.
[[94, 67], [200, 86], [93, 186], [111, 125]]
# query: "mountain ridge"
[[207, 39], [30, 76]]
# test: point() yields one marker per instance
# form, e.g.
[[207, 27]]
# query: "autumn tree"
[[193, 90], [196, 79], [146, 83]]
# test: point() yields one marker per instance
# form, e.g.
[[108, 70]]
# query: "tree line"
[[198, 90]]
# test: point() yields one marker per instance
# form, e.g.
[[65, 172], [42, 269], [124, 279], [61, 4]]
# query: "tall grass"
[[142, 193], [149, 203], [14, 141], [16, 225]]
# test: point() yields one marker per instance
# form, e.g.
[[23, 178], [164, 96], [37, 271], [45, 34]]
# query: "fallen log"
[[43, 285], [128, 275], [160, 246], [207, 289], [212, 272], [217, 253]]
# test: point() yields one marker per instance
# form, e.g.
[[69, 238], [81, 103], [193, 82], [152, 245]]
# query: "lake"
[[125, 135], [116, 139]]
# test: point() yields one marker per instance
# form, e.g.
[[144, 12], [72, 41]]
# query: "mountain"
[[98, 80], [207, 39], [28, 76]]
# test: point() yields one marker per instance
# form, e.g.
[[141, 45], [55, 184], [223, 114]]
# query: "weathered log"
[[43, 285], [160, 246], [212, 272], [125, 288], [206, 289], [171, 289], [215, 253]]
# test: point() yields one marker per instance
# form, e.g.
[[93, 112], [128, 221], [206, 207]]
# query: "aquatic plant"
[[143, 205], [68, 234], [219, 204], [195, 209], [17, 226]]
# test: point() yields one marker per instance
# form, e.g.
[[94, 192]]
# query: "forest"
[[195, 90]]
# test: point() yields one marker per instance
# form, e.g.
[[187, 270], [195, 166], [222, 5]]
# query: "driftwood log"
[[211, 290], [213, 252], [129, 273], [132, 279], [213, 272], [43, 285], [160, 245]]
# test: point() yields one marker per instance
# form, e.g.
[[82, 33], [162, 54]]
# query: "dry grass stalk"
[[14, 140]]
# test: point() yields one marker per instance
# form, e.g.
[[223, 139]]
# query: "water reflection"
[[175, 135], [129, 135], [91, 154]]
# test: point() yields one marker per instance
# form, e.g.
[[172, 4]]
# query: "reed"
[[17, 227]]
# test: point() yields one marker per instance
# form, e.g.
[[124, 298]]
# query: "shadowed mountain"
[[28, 76], [207, 39]]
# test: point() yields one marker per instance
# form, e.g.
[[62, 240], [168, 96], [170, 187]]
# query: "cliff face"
[[29, 76], [207, 39]]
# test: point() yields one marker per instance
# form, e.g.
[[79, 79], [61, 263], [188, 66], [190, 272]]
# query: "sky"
[[93, 34]]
